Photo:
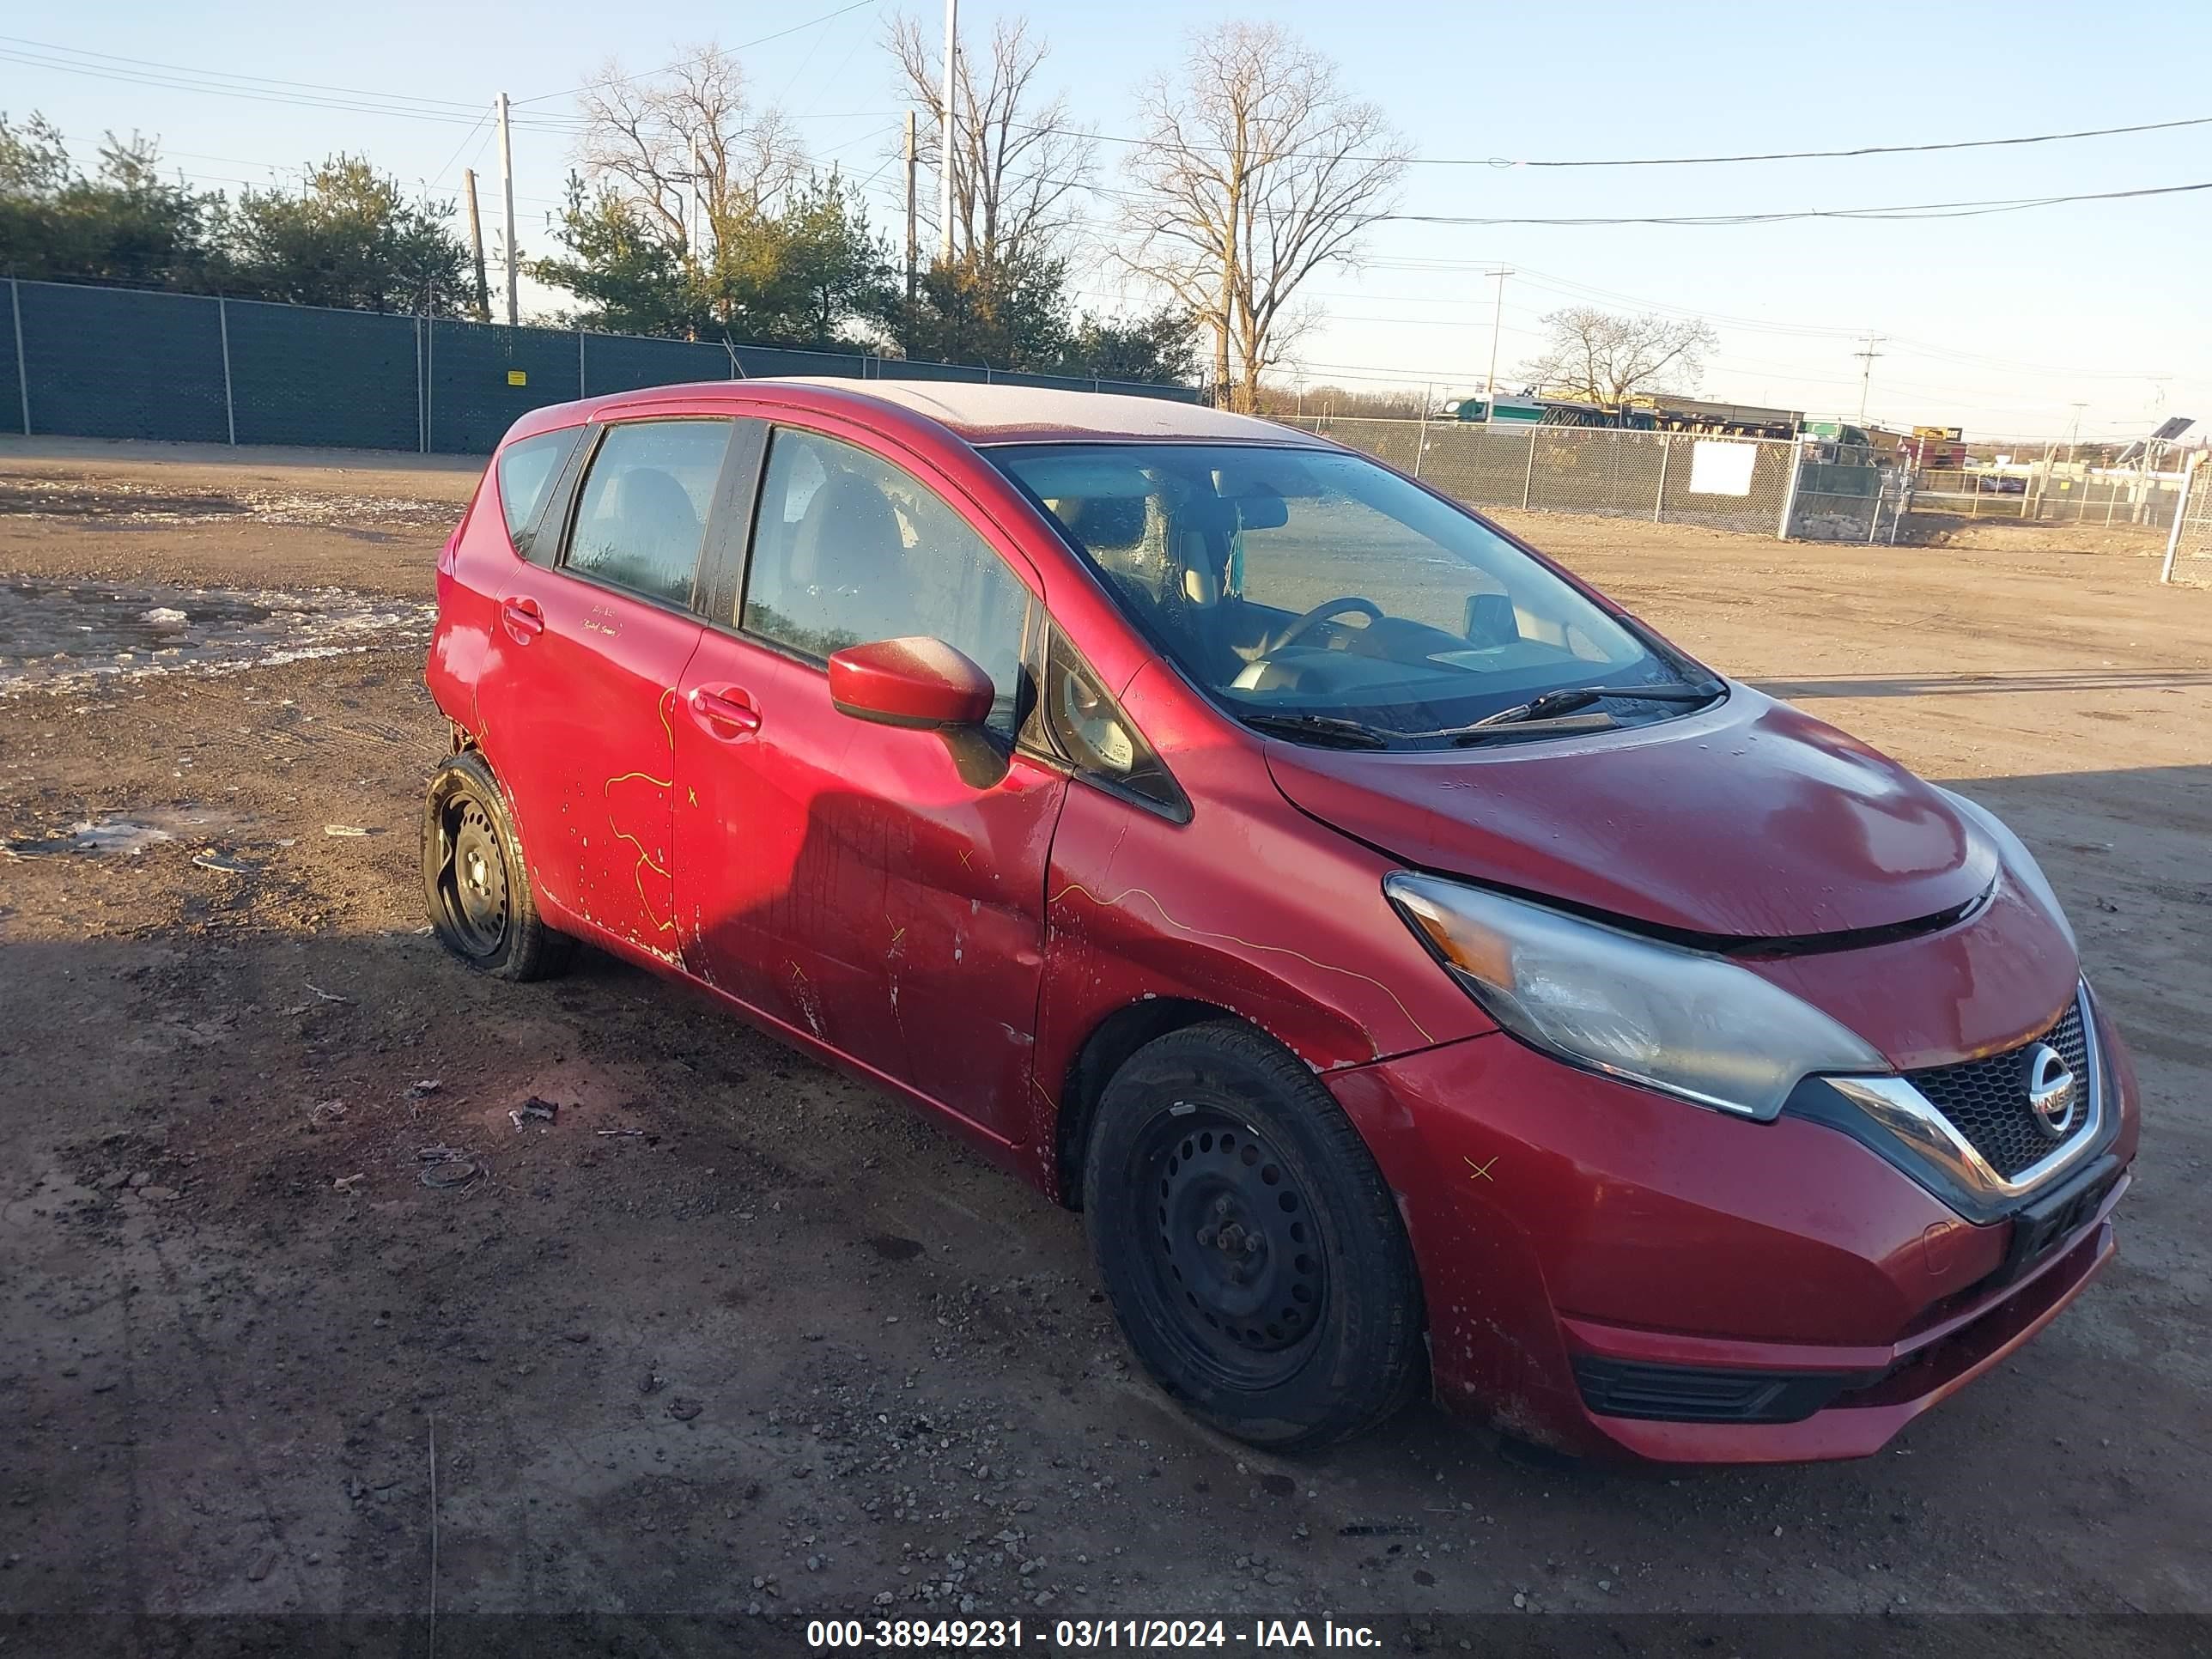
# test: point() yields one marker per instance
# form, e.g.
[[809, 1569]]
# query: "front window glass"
[[848, 550], [1297, 582]]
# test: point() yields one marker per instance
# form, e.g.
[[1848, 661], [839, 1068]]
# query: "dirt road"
[[732, 1340]]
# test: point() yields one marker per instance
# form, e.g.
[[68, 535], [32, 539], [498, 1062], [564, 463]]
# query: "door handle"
[[524, 621], [727, 714]]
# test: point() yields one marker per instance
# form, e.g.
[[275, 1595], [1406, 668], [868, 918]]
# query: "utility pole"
[[913, 247], [2074, 432], [945, 157], [1497, 324], [1866, 375], [506, 185], [698, 209], [476, 247]]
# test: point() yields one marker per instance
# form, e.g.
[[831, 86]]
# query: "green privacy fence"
[[103, 362]]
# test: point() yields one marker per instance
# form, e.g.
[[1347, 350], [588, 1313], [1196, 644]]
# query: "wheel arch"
[[1111, 1042]]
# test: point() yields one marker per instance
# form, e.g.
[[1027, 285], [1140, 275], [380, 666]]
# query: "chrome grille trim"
[[1913, 1119]]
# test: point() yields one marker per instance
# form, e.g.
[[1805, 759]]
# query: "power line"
[[1862, 150], [686, 62], [368, 104], [228, 75], [1905, 211], [1508, 163]]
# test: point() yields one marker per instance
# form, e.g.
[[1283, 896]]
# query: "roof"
[[986, 414]]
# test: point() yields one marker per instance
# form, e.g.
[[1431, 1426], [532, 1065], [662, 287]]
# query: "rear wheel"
[[474, 880], [1249, 1247]]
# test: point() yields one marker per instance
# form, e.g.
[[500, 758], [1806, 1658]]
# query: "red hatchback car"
[[1413, 966]]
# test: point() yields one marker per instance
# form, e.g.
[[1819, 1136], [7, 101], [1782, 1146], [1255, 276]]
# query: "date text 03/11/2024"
[[1085, 1633]]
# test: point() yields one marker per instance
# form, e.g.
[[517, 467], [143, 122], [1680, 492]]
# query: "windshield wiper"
[[1547, 725], [1318, 729], [1567, 699]]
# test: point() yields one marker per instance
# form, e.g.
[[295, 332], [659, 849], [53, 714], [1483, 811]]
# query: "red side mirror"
[[911, 682]]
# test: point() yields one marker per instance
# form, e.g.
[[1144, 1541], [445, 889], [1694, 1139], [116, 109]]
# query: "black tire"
[[475, 881], [1250, 1250]]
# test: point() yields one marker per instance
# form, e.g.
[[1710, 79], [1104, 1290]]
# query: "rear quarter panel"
[[469, 569]]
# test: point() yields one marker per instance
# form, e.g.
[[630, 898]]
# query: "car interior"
[[1185, 561]]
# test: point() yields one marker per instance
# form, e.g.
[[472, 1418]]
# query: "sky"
[[2000, 324]]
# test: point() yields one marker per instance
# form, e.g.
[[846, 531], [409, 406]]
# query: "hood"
[[1747, 820]]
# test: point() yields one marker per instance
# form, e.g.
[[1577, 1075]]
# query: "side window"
[[1088, 727], [526, 471], [848, 550], [643, 511]]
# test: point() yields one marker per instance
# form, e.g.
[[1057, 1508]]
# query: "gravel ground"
[[732, 1343]]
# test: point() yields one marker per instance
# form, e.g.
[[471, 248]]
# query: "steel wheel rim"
[[473, 883], [1229, 1247]]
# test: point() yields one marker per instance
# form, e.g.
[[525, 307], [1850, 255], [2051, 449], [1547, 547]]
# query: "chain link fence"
[[2191, 535], [2051, 495], [1663, 477], [101, 362], [2146, 500]]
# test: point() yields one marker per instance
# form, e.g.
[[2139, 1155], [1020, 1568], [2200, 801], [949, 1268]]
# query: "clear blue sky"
[[1997, 323]]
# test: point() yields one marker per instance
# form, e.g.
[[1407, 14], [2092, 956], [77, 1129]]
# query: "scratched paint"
[[1245, 944], [649, 807]]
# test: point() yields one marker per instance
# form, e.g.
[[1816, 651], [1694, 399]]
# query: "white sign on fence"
[[1720, 468]]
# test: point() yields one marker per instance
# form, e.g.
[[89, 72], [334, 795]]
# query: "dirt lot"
[[773, 1350]]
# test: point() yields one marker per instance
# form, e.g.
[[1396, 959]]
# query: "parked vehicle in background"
[[1417, 970]]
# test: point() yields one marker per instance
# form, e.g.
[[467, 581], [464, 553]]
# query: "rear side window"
[[642, 513], [848, 550], [527, 470]]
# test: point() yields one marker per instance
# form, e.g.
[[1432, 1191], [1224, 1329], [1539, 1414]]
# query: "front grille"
[[1987, 1100]]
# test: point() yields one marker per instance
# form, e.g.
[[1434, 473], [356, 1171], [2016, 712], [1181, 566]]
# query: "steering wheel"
[[1320, 614]]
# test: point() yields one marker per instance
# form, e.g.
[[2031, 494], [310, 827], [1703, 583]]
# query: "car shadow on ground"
[[730, 1332]]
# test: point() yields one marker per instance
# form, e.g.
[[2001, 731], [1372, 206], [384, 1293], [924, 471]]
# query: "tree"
[[809, 273], [631, 279], [1013, 314], [1257, 170], [123, 225], [1600, 357], [1159, 347], [688, 144], [348, 238], [1021, 165]]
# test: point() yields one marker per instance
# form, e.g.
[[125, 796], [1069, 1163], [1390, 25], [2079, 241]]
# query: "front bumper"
[[1600, 1263]]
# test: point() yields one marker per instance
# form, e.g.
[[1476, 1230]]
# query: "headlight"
[[1692, 1024], [2019, 864]]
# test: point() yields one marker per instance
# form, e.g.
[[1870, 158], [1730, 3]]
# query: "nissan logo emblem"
[[2053, 1091]]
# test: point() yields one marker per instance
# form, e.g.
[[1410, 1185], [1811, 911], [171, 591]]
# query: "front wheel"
[[474, 880], [1250, 1250]]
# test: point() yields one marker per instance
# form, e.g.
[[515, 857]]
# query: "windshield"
[[1309, 584]]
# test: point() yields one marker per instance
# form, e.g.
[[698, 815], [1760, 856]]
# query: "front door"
[[578, 700], [879, 889]]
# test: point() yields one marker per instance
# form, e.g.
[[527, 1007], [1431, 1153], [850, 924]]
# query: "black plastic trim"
[[1685, 1394]]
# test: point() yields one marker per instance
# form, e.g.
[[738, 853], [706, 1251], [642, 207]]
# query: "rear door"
[[576, 707], [879, 889]]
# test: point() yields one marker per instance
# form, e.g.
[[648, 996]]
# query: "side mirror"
[[916, 681]]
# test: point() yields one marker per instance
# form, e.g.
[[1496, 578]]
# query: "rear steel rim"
[[1229, 1249], [473, 885]]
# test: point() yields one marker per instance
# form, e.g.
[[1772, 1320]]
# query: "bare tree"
[[1601, 357], [689, 136], [1021, 166], [1257, 169]]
